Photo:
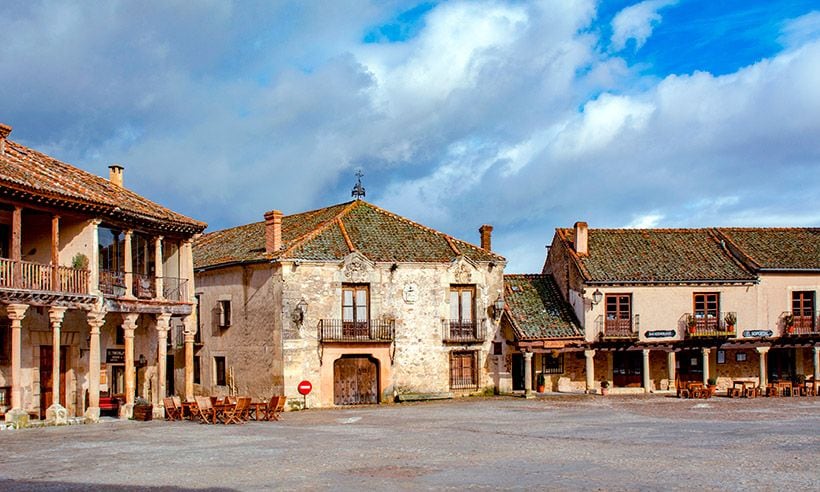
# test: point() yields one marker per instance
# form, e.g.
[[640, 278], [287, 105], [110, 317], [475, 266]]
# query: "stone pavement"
[[567, 442]]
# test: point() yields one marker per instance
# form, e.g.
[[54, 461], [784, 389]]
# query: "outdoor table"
[[784, 386], [189, 409], [256, 409]]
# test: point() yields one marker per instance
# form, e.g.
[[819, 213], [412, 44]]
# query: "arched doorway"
[[355, 380]]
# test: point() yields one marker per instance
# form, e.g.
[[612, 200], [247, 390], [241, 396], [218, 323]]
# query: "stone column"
[[129, 265], [528, 375], [56, 413], [670, 369], [16, 313], [55, 253], [163, 325], [186, 269], [590, 370], [764, 377], [96, 318], [94, 261], [816, 363], [129, 324], [647, 381], [159, 283], [190, 333], [706, 365]]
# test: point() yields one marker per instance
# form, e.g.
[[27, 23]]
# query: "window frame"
[[225, 313], [552, 368], [458, 381], [460, 289], [220, 377], [197, 369]]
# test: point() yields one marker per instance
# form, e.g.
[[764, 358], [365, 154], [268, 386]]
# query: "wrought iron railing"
[[696, 325], [112, 283], [175, 289], [618, 328], [28, 275], [463, 331], [144, 286], [374, 330], [799, 324]]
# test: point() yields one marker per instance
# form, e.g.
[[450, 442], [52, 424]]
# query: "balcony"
[[614, 329], [794, 324], [463, 331], [709, 326], [371, 331], [27, 275], [112, 283]]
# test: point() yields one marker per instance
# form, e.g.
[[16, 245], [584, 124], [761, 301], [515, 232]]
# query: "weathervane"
[[358, 190]]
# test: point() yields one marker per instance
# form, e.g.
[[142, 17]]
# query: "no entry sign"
[[304, 388]]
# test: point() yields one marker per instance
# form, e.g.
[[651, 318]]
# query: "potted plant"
[[788, 322], [730, 319], [143, 410], [541, 382], [79, 262], [604, 387], [711, 383], [691, 323]]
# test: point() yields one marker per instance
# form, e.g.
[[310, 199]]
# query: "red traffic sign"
[[305, 387]]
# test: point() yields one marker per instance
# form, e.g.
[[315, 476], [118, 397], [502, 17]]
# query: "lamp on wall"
[[142, 362], [498, 307], [298, 314], [596, 297]]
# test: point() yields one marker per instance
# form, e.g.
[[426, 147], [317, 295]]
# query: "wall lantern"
[[498, 307], [142, 361], [298, 314], [596, 297]]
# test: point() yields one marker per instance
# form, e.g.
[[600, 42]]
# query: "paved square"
[[563, 442]]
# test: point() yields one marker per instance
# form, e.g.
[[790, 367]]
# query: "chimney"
[[273, 231], [4, 133], [115, 174], [486, 232], [581, 238]]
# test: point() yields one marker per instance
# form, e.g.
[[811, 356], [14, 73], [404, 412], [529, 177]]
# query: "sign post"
[[304, 388]]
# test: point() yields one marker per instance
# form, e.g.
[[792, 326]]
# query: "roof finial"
[[358, 190]]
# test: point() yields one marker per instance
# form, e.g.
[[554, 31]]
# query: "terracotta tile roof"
[[31, 175], [536, 309], [656, 255], [775, 248], [332, 233]]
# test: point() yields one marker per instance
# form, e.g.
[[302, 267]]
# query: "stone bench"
[[424, 396]]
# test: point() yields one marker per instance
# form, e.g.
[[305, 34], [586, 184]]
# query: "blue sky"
[[525, 115]]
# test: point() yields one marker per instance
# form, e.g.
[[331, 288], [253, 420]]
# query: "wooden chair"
[[237, 414], [275, 407], [172, 412], [205, 411]]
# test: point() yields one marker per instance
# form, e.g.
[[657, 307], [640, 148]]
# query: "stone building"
[[660, 306], [362, 303], [92, 279]]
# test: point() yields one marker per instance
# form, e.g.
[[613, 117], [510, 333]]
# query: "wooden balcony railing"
[[27, 275], [799, 324], [709, 326], [337, 330], [619, 328], [463, 331]]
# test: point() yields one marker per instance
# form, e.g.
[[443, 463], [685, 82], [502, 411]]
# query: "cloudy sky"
[[524, 115]]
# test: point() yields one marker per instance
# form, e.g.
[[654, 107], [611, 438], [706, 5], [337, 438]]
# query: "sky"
[[524, 115]]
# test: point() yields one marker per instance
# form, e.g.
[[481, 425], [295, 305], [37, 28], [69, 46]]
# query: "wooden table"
[[256, 410]]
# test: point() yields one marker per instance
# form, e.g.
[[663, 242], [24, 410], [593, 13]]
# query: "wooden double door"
[[47, 377], [627, 369], [355, 381]]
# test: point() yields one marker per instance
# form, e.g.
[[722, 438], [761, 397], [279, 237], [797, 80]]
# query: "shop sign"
[[660, 334], [757, 333], [115, 356]]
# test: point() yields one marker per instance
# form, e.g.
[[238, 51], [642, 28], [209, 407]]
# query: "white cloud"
[[646, 221], [802, 30], [636, 22]]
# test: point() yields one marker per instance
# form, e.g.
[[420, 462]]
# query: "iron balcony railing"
[[794, 323], [463, 330], [175, 289], [28, 275], [618, 328], [697, 325], [145, 286], [374, 330], [112, 283]]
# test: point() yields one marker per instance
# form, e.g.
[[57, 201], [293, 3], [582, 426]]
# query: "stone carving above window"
[[463, 274], [356, 268]]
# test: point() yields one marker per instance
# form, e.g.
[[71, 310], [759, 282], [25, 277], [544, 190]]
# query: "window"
[[119, 336], [462, 312], [5, 343], [355, 309], [219, 365], [463, 373], [803, 310], [111, 249], [498, 348], [5, 240], [552, 363], [619, 313], [721, 356], [197, 380], [707, 310], [224, 307]]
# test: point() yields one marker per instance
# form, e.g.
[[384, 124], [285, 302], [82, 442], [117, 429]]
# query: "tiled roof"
[[775, 248], [536, 309], [32, 175], [329, 233], [656, 255]]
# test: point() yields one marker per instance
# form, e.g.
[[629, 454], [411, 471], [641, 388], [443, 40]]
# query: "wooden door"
[[47, 377], [169, 375], [518, 372], [355, 381], [690, 366], [627, 369]]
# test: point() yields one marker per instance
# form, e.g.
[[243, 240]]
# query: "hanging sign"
[[757, 333], [660, 334], [115, 356]]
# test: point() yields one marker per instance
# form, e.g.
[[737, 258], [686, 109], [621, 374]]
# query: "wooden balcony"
[[801, 325], [31, 276], [112, 283], [370, 331], [708, 326], [463, 331], [618, 328]]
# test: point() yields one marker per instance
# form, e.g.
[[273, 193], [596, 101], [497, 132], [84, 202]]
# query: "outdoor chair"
[[205, 411], [237, 414], [172, 412], [275, 407]]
